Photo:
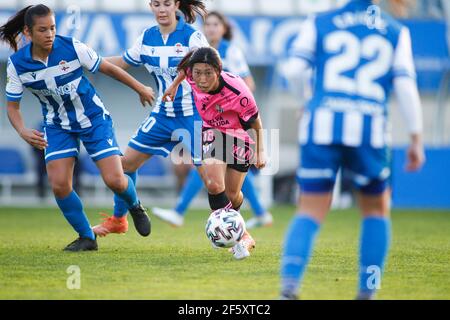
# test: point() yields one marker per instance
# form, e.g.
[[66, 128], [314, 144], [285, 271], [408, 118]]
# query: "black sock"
[[218, 201]]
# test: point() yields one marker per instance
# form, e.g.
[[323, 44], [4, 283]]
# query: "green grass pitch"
[[181, 264]]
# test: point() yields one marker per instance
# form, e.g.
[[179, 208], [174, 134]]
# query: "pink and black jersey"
[[230, 108]]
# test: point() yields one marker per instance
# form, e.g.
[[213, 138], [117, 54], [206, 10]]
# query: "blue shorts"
[[99, 141], [159, 135], [368, 167]]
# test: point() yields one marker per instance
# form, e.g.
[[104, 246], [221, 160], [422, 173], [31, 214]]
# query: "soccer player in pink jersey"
[[232, 131]]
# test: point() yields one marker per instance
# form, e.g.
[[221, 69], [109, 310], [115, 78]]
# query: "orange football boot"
[[111, 224]]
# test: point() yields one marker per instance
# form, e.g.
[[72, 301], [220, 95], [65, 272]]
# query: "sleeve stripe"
[[96, 65], [403, 73], [130, 60], [14, 95]]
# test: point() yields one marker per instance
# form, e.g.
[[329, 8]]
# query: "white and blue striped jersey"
[[161, 58], [356, 52], [233, 59], [67, 98]]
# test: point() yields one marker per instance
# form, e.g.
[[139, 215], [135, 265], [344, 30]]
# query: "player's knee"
[[129, 166], [214, 187], [375, 199], [116, 182], [61, 189]]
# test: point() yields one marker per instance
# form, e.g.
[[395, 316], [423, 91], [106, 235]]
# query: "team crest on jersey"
[[179, 48], [219, 108], [63, 65]]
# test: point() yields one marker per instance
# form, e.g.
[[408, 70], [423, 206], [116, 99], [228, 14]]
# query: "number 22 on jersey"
[[349, 50]]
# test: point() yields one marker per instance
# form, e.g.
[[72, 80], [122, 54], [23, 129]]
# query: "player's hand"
[[34, 138], [147, 95], [170, 93], [416, 157], [260, 160]]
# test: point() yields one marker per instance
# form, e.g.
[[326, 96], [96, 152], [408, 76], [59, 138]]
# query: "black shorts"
[[236, 153]]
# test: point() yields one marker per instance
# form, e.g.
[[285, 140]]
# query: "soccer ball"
[[225, 228]]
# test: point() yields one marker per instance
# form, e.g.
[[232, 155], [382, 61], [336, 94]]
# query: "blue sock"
[[298, 246], [120, 203], [72, 209], [374, 245], [133, 176], [249, 191], [190, 189]]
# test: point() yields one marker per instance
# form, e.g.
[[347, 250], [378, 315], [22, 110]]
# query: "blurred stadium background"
[[263, 29]]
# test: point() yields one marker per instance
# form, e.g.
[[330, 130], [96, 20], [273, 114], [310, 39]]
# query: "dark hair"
[[228, 35], [206, 55], [24, 18], [189, 8]]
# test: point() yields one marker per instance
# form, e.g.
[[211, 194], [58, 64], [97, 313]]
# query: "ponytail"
[[16, 24], [189, 8], [10, 30]]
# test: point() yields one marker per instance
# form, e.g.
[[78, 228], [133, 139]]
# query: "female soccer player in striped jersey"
[[228, 110], [219, 34], [51, 67], [160, 49], [359, 54]]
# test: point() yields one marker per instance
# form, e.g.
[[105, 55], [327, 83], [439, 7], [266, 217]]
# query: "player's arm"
[[131, 57], [249, 117], [256, 125], [182, 68], [410, 107], [196, 40], [297, 69], [93, 62], [118, 61], [408, 97], [171, 91], [14, 92], [145, 93], [31, 136]]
